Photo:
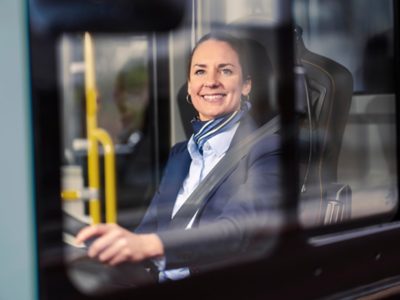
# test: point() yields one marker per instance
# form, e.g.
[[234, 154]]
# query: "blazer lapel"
[[185, 214], [175, 174]]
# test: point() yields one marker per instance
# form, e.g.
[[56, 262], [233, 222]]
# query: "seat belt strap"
[[220, 172]]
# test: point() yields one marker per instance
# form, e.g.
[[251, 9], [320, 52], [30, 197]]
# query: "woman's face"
[[216, 80]]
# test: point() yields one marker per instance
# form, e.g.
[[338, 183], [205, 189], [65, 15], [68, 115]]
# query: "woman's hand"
[[115, 244]]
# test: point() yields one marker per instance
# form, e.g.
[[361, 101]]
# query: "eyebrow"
[[219, 66]]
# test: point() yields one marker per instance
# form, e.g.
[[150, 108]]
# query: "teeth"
[[213, 97]]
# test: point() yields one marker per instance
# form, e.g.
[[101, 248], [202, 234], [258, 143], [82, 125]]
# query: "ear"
[[246, 88]]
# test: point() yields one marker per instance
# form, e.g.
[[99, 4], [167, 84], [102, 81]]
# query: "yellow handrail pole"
[[109, 166], [91, 125], [70, 195]]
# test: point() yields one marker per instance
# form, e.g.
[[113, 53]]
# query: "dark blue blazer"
[[224, 227]]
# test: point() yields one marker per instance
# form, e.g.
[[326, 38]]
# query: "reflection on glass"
[[368, 159], [348, 122], [121, 109], [219, 197], [347, 142], [357, 34]]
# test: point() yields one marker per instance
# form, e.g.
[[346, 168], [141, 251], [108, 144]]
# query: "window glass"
[[122, 110], [357, 34], [140, 96], [351, 170], [113, 88]]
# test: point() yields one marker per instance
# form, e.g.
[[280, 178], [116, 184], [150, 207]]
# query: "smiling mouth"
[[213, 97]]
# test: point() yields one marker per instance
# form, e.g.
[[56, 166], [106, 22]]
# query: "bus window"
[[127, 99], [357, 34], [358, 146], [312, 145], [128, 94], [110, 138], [122, 75], [347, 110]]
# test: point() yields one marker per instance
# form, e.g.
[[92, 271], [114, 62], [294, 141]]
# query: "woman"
[[218, 87]]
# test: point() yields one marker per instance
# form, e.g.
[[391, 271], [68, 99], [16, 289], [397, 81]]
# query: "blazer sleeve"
[[149, 221], [243, 221]]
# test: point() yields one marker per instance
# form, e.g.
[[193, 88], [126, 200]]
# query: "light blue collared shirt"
[[213, 151]]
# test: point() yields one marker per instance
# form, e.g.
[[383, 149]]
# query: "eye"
[[226, 71], [199, 72]]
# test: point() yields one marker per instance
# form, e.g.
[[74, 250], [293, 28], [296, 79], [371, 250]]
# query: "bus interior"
[[108, 101]]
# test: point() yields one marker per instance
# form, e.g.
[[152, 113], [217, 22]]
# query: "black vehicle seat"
[[328, 98], [327, 87]]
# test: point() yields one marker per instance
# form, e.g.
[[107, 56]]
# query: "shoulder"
[[267, 141], [270, 144], [179, 148]]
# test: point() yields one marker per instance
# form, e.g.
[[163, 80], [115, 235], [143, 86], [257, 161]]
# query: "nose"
[[212, 79]]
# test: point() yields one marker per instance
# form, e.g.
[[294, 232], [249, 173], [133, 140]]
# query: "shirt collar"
[[218, 144]]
